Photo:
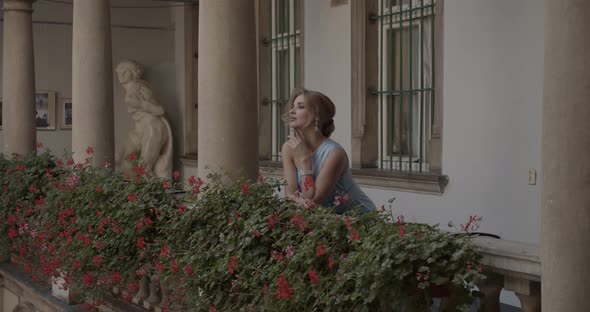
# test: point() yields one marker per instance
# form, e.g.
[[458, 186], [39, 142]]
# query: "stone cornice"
[[18, 5]]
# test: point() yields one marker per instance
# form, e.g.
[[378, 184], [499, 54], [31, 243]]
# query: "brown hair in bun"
[[319, 104]]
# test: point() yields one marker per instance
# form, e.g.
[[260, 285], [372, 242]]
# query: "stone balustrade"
[[508, 265], [512, 266]]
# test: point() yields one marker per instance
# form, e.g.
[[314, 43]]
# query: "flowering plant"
[[224, 245], [88, 225], [241, 245]]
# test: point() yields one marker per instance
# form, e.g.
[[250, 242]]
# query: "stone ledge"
[[39, 294], [424, 183], [433, 184], [509, 258]]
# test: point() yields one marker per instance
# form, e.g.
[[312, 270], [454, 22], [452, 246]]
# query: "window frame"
[[267, 124], [365, 107]]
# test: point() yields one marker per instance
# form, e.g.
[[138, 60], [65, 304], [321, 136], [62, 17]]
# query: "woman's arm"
[[332, 169], [289, 171]]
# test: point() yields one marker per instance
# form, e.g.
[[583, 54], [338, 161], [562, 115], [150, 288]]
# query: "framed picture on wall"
[[45, 110], [65, 105]]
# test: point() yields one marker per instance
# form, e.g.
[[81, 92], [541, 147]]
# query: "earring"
[[317, 129]]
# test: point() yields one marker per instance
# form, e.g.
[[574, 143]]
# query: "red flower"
[[70, 162], [245, 189], [402, 231], [345, 198], [273, 220], [401, 225], [284, 291], [97, 260], [89, 150], [354, 235], [40, 202], [158, 265], [98, 189], [348, 223], [181, 208], [188, 270], [330, 262], [20, 167], [256, 233], [173, 266], [299, 222], [166, 184], [148, 222], [140, 243], [308, 182], [131, 197], [279, 256], [116, 277], [260, 178], [319, 250], [60, 163], [313, 276], [88, 279], [131, 157], [12, 233], [164, 251], [231, 266], [132, 287], [175, 175], [39, 144], [139, 170], [191, 180], [84, 239], [197, 189], [212, 308]]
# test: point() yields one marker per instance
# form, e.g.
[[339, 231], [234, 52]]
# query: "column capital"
[[18, 5]]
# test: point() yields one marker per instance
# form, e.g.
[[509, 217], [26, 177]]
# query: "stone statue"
[[150, 139]]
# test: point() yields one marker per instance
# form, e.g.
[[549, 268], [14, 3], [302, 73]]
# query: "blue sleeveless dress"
[[345, 184]]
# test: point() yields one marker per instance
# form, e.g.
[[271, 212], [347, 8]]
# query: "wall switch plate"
[[532, 176]]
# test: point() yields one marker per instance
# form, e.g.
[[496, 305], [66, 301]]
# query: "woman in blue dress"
[[316, 167]]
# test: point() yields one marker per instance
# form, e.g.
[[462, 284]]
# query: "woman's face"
[[299, 116]]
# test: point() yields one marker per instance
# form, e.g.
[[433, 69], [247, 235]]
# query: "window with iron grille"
[[282, 69], [406, 83]]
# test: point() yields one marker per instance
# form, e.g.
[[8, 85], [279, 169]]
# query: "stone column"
[[566, 147], [18, 78], [491, 287], [228, 112], [529, 292], [92, 81]]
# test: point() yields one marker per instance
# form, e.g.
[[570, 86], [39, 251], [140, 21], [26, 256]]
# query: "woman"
[[315, 167]]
